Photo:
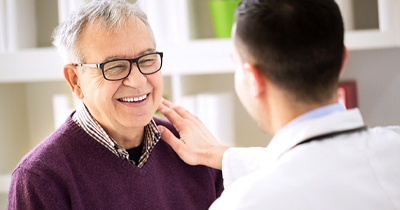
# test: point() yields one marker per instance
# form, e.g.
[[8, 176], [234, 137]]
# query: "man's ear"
[[344, 60], [256, 79], [72, 78]]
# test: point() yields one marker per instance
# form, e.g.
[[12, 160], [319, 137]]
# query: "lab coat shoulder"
[[389, 130], [326, 174], [261, 190], [239, 162]]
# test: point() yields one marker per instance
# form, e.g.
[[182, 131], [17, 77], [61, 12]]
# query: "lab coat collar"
[[287, 138]]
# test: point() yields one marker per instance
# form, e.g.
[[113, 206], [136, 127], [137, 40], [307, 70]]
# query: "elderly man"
[[107, 155]]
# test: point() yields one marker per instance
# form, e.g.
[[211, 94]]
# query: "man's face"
[[241, 79], [111, 102], [242, 85]]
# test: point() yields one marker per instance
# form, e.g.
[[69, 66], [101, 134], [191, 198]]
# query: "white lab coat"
[[359, 170]]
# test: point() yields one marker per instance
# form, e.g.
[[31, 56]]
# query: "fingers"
[[168, 112], [174, 113], [177, 145], [169, 137], [178, 109], [166, 102]]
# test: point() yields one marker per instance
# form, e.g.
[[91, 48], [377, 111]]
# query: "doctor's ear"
[[255, 78], [344, 60], [72, 78]]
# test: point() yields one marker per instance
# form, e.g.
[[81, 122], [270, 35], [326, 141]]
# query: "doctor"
[[289, 55]]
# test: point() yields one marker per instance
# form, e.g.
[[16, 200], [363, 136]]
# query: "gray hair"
[[112, 14]]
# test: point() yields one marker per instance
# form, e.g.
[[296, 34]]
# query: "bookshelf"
[[195, 63]]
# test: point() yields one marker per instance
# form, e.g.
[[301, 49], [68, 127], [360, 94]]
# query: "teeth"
[[134, 99]]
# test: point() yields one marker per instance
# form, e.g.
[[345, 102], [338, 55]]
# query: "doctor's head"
[[298, 46]]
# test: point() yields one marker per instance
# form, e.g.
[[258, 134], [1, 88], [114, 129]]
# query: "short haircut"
[[297, 44], [111, 14]]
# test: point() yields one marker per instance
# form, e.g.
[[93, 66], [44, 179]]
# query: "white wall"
[[39, 97], [13, 126], [378, 78]]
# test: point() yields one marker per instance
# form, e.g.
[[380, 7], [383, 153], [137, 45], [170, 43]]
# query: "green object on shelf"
[[222, 13]]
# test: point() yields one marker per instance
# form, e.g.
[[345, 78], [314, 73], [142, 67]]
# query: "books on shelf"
[[3, 34], [386, 12], [347, 93], [168, 19], [346, 8], [62, 108], [5, 181], [66, 7], [20, 24], [216, 111], [17, 25]]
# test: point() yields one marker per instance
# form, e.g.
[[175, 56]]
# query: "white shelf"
[[370, 39], [45, 64], [182, 56], [31, 65], [207, 56]]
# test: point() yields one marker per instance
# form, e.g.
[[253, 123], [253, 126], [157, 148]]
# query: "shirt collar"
[[85, 120], [315, 113]]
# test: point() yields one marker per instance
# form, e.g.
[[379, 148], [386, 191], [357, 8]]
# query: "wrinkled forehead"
[[132, 24], [99, 41]]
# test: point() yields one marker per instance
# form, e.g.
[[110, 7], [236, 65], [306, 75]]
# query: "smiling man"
[[108, 153]]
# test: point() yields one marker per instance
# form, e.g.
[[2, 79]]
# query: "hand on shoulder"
[[196, 146]]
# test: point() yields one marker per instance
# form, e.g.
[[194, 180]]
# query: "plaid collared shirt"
[[85, 120]]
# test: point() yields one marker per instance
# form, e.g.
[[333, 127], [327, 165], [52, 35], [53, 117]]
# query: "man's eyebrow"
[[149, 50]]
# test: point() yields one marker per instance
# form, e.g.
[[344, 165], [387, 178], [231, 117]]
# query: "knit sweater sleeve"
[[31, 191]]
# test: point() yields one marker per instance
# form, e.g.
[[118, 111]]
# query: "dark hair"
[[298, 44]]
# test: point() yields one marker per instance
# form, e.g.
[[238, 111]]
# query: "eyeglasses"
[[119, 69]]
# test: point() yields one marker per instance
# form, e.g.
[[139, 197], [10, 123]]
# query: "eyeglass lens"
[[119, 69]]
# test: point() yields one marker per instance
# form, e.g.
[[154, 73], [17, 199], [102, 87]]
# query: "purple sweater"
[[70, 170]]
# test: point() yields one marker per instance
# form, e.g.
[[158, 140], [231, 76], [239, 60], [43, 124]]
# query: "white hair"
[[111, 14]]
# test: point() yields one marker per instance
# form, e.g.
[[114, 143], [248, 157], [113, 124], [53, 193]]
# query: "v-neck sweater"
[[71, 170]]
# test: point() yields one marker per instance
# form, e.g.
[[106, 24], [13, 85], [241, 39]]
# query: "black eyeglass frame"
[[131, 61]]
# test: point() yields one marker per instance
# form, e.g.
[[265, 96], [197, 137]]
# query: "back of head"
[[109, 15], [298, 44]]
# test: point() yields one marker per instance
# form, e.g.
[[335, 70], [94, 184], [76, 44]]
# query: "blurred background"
[[198, 70]]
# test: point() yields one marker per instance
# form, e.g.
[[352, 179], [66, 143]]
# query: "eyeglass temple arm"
[[87, 65]]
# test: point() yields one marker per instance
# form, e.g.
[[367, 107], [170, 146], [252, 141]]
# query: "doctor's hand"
[[196, 146]]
